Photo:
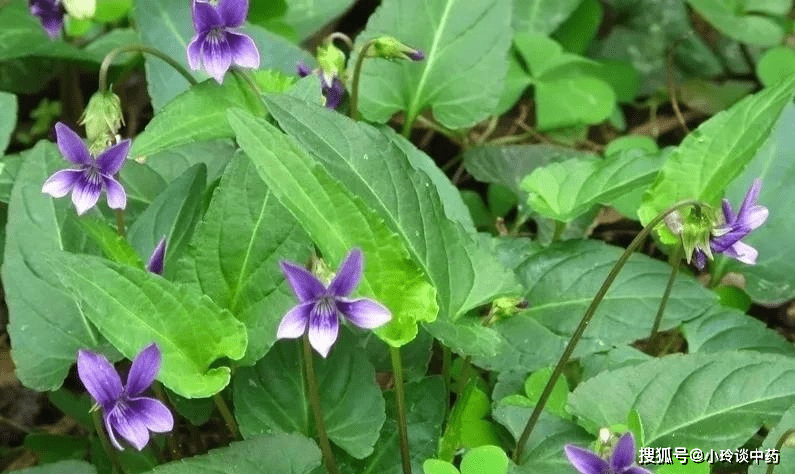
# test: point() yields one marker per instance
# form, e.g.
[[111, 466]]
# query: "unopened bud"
[[387, 47], [102, 118], [332, 62]]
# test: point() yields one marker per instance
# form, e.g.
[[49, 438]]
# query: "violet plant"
[[403, 258]]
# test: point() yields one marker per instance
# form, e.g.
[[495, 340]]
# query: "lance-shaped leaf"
[[337, 221], [717, 152], [465, 45], [389, 175], [706, 401], [133, 308]]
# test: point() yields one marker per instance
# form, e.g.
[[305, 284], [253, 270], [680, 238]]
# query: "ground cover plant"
[[397, 236]]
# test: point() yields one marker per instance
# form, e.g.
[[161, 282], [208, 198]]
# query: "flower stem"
[[229, 420], [141, 48], [357, 72], [780, 444], [120, 222], [586, 318], [400, 396], [675, 260], [171, 442], [103, 440], [313, 396]]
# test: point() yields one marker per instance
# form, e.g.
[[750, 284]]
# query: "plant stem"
[[718, 271], [103, 440], [357, 72], [229, 420], [400, 396], [120, 222], [171, 442], [313, 396], [780, 444], [560, 227], [141, 48], [586, 318], [675, 260], [447, 362]]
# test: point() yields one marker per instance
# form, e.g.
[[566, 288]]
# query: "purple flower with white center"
[[50, 13], [155, 264], [215, 46], [622, 461], [92, 176], [321, 307], [125, 412], [726, 238], [332, 89]]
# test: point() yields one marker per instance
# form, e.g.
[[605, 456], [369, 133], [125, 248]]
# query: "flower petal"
[[755, 217], [99, 377], [585, 461], [129, 425], [205, 17], [111, 160], [144, 370], [742, 252], [624, 453], [117, 197], [334, 94], [216, 57], [155, 264], [348, 275], [294, 323], [194, 51], [750, 198], [85, 194], [59, 184], [111, 431], [302, 69], [152, 413], [233, 12], [324, 327], [728, 213], [244, 51], [305, 285], [71, 146], [364, 312], [53, 24]]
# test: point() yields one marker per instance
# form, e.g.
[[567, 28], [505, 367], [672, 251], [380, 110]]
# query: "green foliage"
[[466, 426], [481, 460], [758, 23], [72, 467], [775, 65], [8, 119], [306, 17], [541, 16], [787, 453], [727, 329]]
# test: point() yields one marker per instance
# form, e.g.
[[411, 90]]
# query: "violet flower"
[[92, 176], [215, 46], [320, 307], [332, 88], [726, 238], [50, 13], [622, 461], [155, 264], [125, 412]]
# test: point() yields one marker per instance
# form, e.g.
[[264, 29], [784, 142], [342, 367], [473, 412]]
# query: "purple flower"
[[215, 45], [125, 412], [622, 461], [332, 88], [726, 238], [320, 307], [92, 176], [50, 13], [155, 264]]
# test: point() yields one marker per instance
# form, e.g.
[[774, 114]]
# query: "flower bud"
[[387, 47], [102, 118], [696, 230], [332, 62]]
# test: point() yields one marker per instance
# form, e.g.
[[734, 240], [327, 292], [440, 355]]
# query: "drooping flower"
[[125, 412], [155, 264], [726, 238], [387, 47], [50, 13], [215, 46], [333, 90], [621, 461], [320, 307], [92, 176]]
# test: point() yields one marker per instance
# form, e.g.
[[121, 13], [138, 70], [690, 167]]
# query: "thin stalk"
[[780, 444], [400, 396], [120, 222], [675, 260], [718, 271], [15, 425], [560, 227], [586, 318], [313, 397], [171, 442], [103, 440], [340, 36], [357, 72], [447, 362], [141, 48], [229, 420]]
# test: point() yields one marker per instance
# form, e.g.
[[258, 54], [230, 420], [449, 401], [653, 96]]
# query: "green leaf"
[[8, 119], [566, 190], [787, 453], [706, 401], [112, 10], [133, 308], [713, 155], [631, 142], [168, 26], [199, 113], [22, 35], [726, 329], [743, 21], [308, 16], [270, 396], [173, 214], [80, 9], [72, 467], [541, 16], [615, 358], [465, 45], [45, 325], [113, 246], [466, 427], [770, 281], [50, 448], [268, 454], [337, 221], [577, 32], [485, 460], [535, 384], [678, 468], [435, 466], [710, 97], [463, 270], [236, 249], [775, 65]]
